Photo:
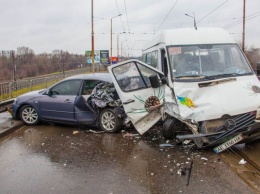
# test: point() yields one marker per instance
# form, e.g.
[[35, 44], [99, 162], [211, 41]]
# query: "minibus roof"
[[190, 36]]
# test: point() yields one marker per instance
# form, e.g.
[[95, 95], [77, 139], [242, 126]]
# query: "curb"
[[11, 129]]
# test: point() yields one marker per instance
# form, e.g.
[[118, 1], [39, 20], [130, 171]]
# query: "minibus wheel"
[[171, 128]]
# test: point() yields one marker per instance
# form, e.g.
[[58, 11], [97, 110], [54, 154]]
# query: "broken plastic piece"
[[187, 142], [92, 131], [242, 161], [130, 135], [204, 159], [181, 172], [166, 145], [75, 132]]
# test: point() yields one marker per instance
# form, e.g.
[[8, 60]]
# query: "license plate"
[[228, 143]]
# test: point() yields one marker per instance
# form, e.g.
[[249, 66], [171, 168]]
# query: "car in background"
[[67, 102]]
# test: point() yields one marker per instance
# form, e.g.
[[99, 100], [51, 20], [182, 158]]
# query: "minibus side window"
[[144, 58], [154, 59], [148, 58], [133, 76]]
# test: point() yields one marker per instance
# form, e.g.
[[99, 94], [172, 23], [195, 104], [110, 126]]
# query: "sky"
[[47, 25]]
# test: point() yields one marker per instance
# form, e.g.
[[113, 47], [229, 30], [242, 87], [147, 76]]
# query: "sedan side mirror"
[[49, 92]]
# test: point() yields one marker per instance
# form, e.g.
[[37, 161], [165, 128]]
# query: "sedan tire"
[[109, 121], [29, 115]]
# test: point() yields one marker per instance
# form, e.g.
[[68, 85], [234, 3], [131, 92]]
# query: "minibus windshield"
[[209, 61]]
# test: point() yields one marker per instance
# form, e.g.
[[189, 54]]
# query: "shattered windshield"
[[207, 61]]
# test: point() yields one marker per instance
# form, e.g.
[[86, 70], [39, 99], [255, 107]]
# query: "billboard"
[[96, 56], [104, 57]]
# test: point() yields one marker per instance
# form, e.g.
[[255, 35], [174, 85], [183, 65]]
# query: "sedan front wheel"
[[29, 115], [109, 121]]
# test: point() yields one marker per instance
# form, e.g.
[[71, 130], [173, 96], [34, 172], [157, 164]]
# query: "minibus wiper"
[[190, 76], [225, 75]]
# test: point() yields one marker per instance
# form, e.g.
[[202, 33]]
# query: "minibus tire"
[[169, 128]]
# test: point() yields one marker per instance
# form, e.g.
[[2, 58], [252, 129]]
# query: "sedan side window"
[[70, 87], [89, 86]]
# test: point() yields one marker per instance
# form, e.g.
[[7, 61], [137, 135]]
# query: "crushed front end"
[[226, 131]]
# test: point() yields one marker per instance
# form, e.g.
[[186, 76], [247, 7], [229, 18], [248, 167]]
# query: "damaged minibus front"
[[212, 95]]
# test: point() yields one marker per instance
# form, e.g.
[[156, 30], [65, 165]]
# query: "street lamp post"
[[14, 68], [92, 38], [118, 43], [111, 37], [122, 50], [11, 53], [244, 23], [194, 20]]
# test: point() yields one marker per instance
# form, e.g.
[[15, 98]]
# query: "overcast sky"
[[47, 25]]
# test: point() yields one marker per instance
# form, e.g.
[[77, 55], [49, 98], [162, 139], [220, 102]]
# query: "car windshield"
[[207, 61]]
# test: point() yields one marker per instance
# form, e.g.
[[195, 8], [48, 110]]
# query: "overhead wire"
[[241, 20], [120, 17], [212, 11], [127, 21], [167, 15]]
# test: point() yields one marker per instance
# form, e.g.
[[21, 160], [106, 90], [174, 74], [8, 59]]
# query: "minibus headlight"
[[257, 115]]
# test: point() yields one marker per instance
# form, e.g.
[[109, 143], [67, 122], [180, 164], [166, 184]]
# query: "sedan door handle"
[[129, 101], [68, 101]]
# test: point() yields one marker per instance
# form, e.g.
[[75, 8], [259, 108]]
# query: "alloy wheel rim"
[[108, 121], [29, 115]]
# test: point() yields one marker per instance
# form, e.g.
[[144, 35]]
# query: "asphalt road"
[[62, 159]]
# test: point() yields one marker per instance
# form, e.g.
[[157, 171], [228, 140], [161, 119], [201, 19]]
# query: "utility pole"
[[92, 39], [244, 23], [14, 68]]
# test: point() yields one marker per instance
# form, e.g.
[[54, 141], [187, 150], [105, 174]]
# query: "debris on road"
[[189, 173], [131, 135], [75, 132], [203, 158], [186, 142], [166, 145], [93, 131], [181, 172], [242, 161]]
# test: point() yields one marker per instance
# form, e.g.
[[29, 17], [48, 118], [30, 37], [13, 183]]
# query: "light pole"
[[122, 50], [62, 62], [92, 39], [194, 20], [111, 37], [14, 66], [11, 54], [244, 23], [118, 44]]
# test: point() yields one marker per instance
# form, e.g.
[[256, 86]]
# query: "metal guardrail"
[[9, 90]]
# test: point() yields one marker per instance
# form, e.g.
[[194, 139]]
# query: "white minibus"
[[212, 91]]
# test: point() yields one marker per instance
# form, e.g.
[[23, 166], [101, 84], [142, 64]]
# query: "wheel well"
[[19, 110]]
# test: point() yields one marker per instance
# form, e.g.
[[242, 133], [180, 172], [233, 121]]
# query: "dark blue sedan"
[[67, 102]]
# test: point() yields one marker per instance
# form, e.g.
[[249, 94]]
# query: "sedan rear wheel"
[[29, 115], [108, 121]]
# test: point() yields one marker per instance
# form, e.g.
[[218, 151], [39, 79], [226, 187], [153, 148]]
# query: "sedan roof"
[[92, 76]]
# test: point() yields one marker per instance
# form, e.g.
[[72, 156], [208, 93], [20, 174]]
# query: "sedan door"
[[141, 102], [58, 105]]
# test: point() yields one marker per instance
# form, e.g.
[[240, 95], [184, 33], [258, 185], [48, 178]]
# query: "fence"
[[9, 90]]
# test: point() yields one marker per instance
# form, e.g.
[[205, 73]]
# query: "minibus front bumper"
[[242, 128]]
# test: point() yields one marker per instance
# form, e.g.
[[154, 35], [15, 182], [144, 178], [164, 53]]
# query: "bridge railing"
[[9, 90]]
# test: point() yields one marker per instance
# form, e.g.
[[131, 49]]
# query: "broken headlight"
[[257, 115]]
